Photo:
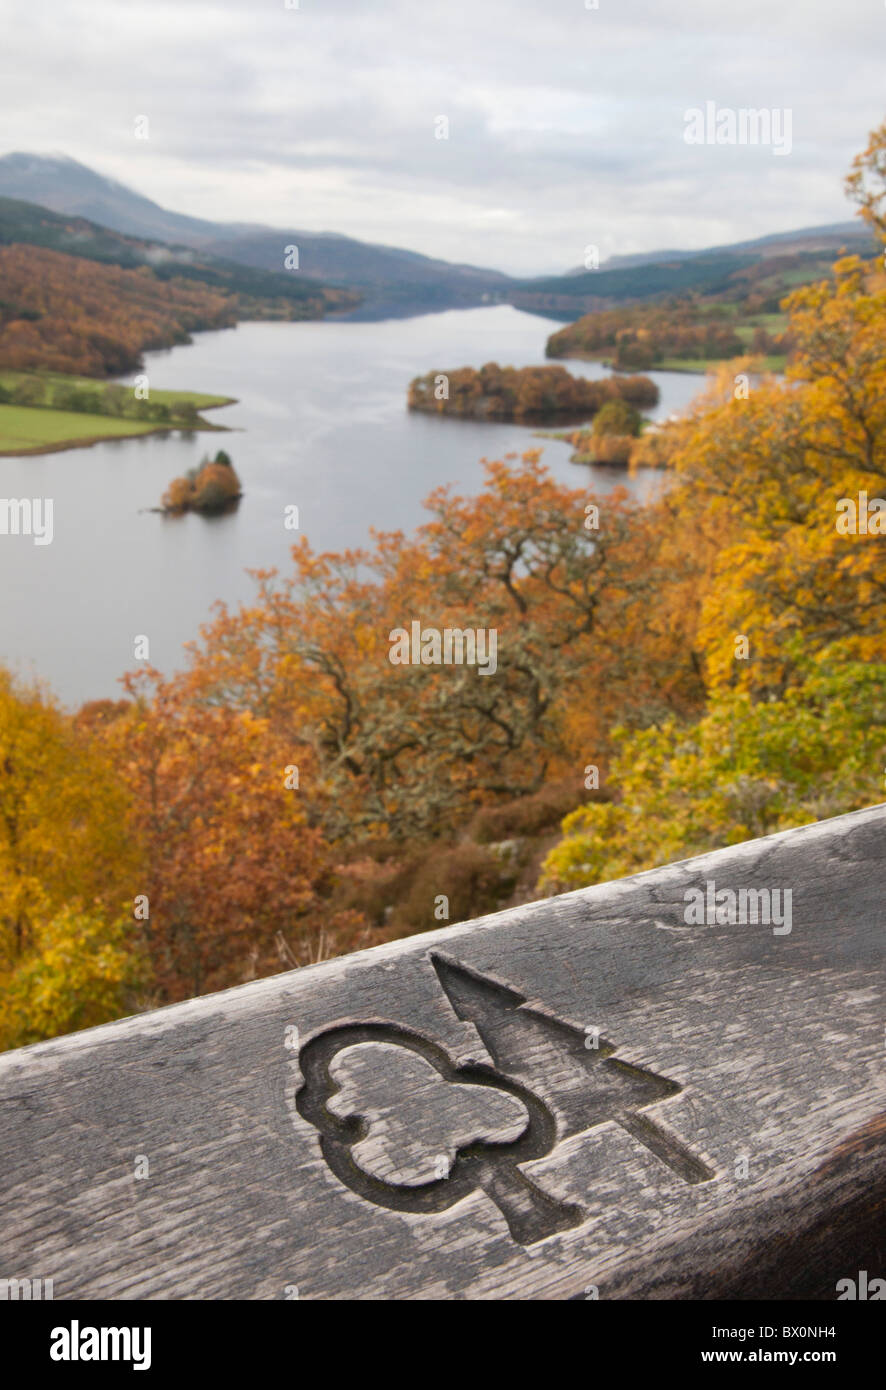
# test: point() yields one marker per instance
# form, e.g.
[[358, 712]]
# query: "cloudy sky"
[[566, 123]]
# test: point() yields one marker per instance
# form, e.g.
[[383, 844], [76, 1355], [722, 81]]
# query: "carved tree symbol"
[[374, 1091], [418, 1121]]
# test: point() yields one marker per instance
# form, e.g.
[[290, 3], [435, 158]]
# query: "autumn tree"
[[403, 749], [524, 393], [617, 418], [64, 314], [215, 487], [67, 868], [747, 768], [82, 971], [233, 873], [761, 476], [866, 182], [779, 497]]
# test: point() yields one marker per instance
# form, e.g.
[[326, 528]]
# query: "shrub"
[[617, 417], [28, 391], [116, 399], [473, 879], [215, 487], [528, 815], [64, 398], [179, 496], [87, 402]]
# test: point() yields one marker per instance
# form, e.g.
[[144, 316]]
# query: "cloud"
[[566, 124]]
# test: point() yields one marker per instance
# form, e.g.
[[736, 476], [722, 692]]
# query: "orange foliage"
[[64, 314], [642, 334], [212, 488], [411, 750], [235, 874], [178, 496], [525, 393]]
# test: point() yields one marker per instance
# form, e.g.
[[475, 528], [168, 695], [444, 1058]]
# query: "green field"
[[36, 427], [24, 430], [700, 365], [773, 363], [200, 399]]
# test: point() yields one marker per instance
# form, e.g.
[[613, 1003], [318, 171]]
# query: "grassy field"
[[772, 363], [201, 400], [24, 430], [700, 365], [37, 428]]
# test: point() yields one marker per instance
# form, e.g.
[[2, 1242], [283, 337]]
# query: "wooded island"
[[524, 393]]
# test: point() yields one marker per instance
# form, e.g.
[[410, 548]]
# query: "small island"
[[212, 487], [524, 394], [620, 438]]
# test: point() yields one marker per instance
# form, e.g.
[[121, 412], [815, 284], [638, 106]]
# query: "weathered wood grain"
[[585, 1095]]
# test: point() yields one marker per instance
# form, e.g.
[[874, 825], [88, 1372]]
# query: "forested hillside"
[[70, 315], [261, 293], [62, 313], [724, 274], [681, 330], [76, 297]]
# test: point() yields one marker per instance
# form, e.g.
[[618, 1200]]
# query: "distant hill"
[[700, 310], [785, 258], [81, 299], [389, 273], [390, 280], [66, 186], [829, 238], [260, 293]]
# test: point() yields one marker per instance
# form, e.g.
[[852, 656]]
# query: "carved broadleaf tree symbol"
[[418, 1121], [558, 1088]]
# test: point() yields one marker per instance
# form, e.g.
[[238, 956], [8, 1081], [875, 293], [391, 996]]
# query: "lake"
[[321, 422]]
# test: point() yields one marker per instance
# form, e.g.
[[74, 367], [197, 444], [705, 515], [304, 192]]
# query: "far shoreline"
[[703, 366]]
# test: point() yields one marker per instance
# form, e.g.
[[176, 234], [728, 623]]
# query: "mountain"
[[63, 185], [255, 293], [395, 282], [830, 238], [386, 274], [784, 259]]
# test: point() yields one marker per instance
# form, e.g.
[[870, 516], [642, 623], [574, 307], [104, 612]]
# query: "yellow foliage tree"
[[764, 476], [67, 864], [747, 768], [79, 972]]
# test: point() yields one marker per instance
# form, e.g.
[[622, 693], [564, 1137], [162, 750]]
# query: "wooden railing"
[[671, 1086]]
